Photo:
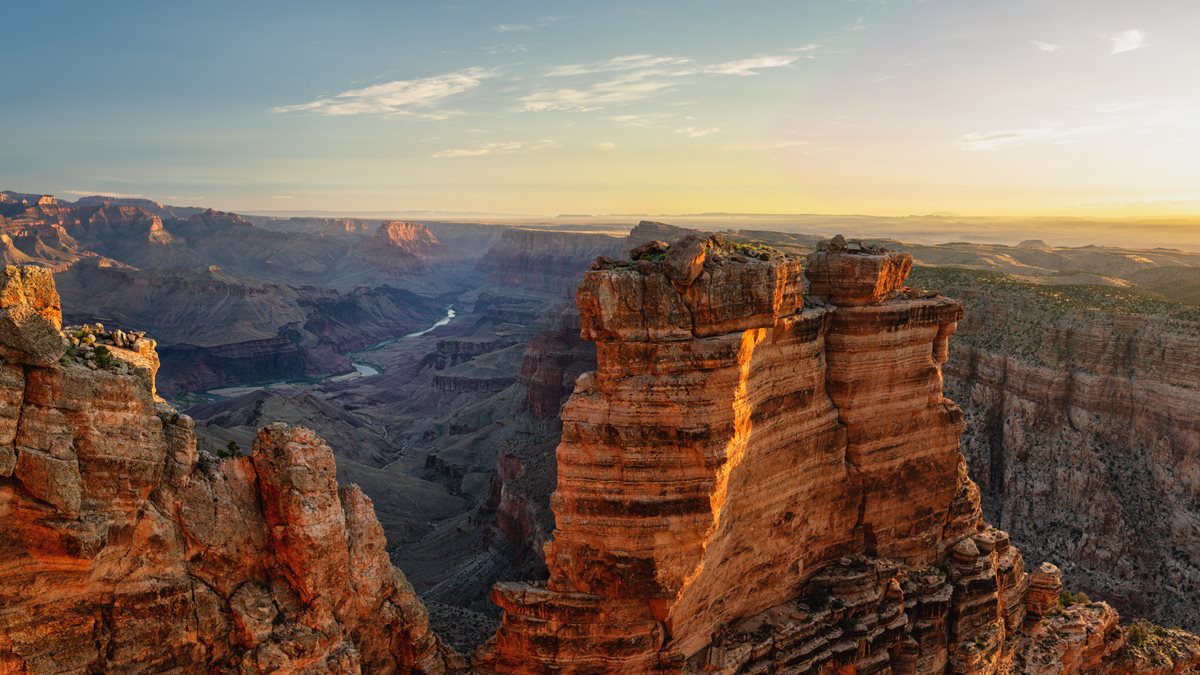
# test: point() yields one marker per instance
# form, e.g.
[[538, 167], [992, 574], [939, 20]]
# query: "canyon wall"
[[1084, 436], [544, 261], [125, 550], [748, 483]]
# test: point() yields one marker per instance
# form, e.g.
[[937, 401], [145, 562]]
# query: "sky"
[[979, 107]]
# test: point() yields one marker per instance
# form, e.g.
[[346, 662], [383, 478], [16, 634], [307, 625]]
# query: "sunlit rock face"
[[124, 550], [750, 484]]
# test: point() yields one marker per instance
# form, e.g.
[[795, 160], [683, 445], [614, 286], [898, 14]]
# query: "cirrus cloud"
[[398, 97], [495, 148], [991, 140], [635, 78], [1126, 41]]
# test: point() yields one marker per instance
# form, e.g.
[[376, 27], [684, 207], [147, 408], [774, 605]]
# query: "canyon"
[[818, 516], [229, 301], [1085, 351]]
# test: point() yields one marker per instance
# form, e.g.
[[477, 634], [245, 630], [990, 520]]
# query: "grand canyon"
[[852, 337], [485, 448]]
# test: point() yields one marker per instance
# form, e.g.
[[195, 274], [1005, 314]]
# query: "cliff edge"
[[125, 550]]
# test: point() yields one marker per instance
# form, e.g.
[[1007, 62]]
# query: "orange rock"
[[745, 485], [853, 279], [124, 550]]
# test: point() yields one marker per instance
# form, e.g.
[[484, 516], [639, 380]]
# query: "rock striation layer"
[[125, 550], [748, 483]]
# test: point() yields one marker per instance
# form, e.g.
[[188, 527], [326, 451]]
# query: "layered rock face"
[[397, 247], [750, 484], [1071, 407], [544, 261], [124, 550]]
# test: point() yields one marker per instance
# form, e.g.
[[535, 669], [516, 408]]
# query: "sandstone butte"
[[748, 482]]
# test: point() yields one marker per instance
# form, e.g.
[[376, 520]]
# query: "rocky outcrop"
[[398, 247], [746, 484], [126, 550]]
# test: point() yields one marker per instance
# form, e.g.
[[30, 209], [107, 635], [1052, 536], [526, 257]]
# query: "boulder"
[[685, 259]]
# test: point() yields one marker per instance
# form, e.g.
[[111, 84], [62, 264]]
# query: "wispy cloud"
[[808, 51], [523, 27], [399, 97], [637, 77], [639, 120], [609, 145], [697, 132], [626, 89], [748, 67], [859, 24], [991, 140], [495, 50], [619, 63], [1045, 46], [496, 148], [1126, 41]]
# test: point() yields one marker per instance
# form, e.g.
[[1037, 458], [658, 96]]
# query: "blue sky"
[[890, 107]]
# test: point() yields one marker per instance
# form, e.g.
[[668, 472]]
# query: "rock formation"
[[398, 247], [750, 484], [124, 550]]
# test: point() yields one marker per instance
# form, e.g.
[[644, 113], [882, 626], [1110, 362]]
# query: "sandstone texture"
[[750, 484], [126, 550]]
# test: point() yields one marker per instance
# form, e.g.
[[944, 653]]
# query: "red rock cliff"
[[747, 484], [123, 550]]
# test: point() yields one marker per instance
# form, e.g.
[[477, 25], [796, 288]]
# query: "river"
[[362, 368]]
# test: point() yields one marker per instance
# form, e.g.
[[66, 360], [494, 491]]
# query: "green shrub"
[[1067, 598], [231, 449], [105, 359]]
